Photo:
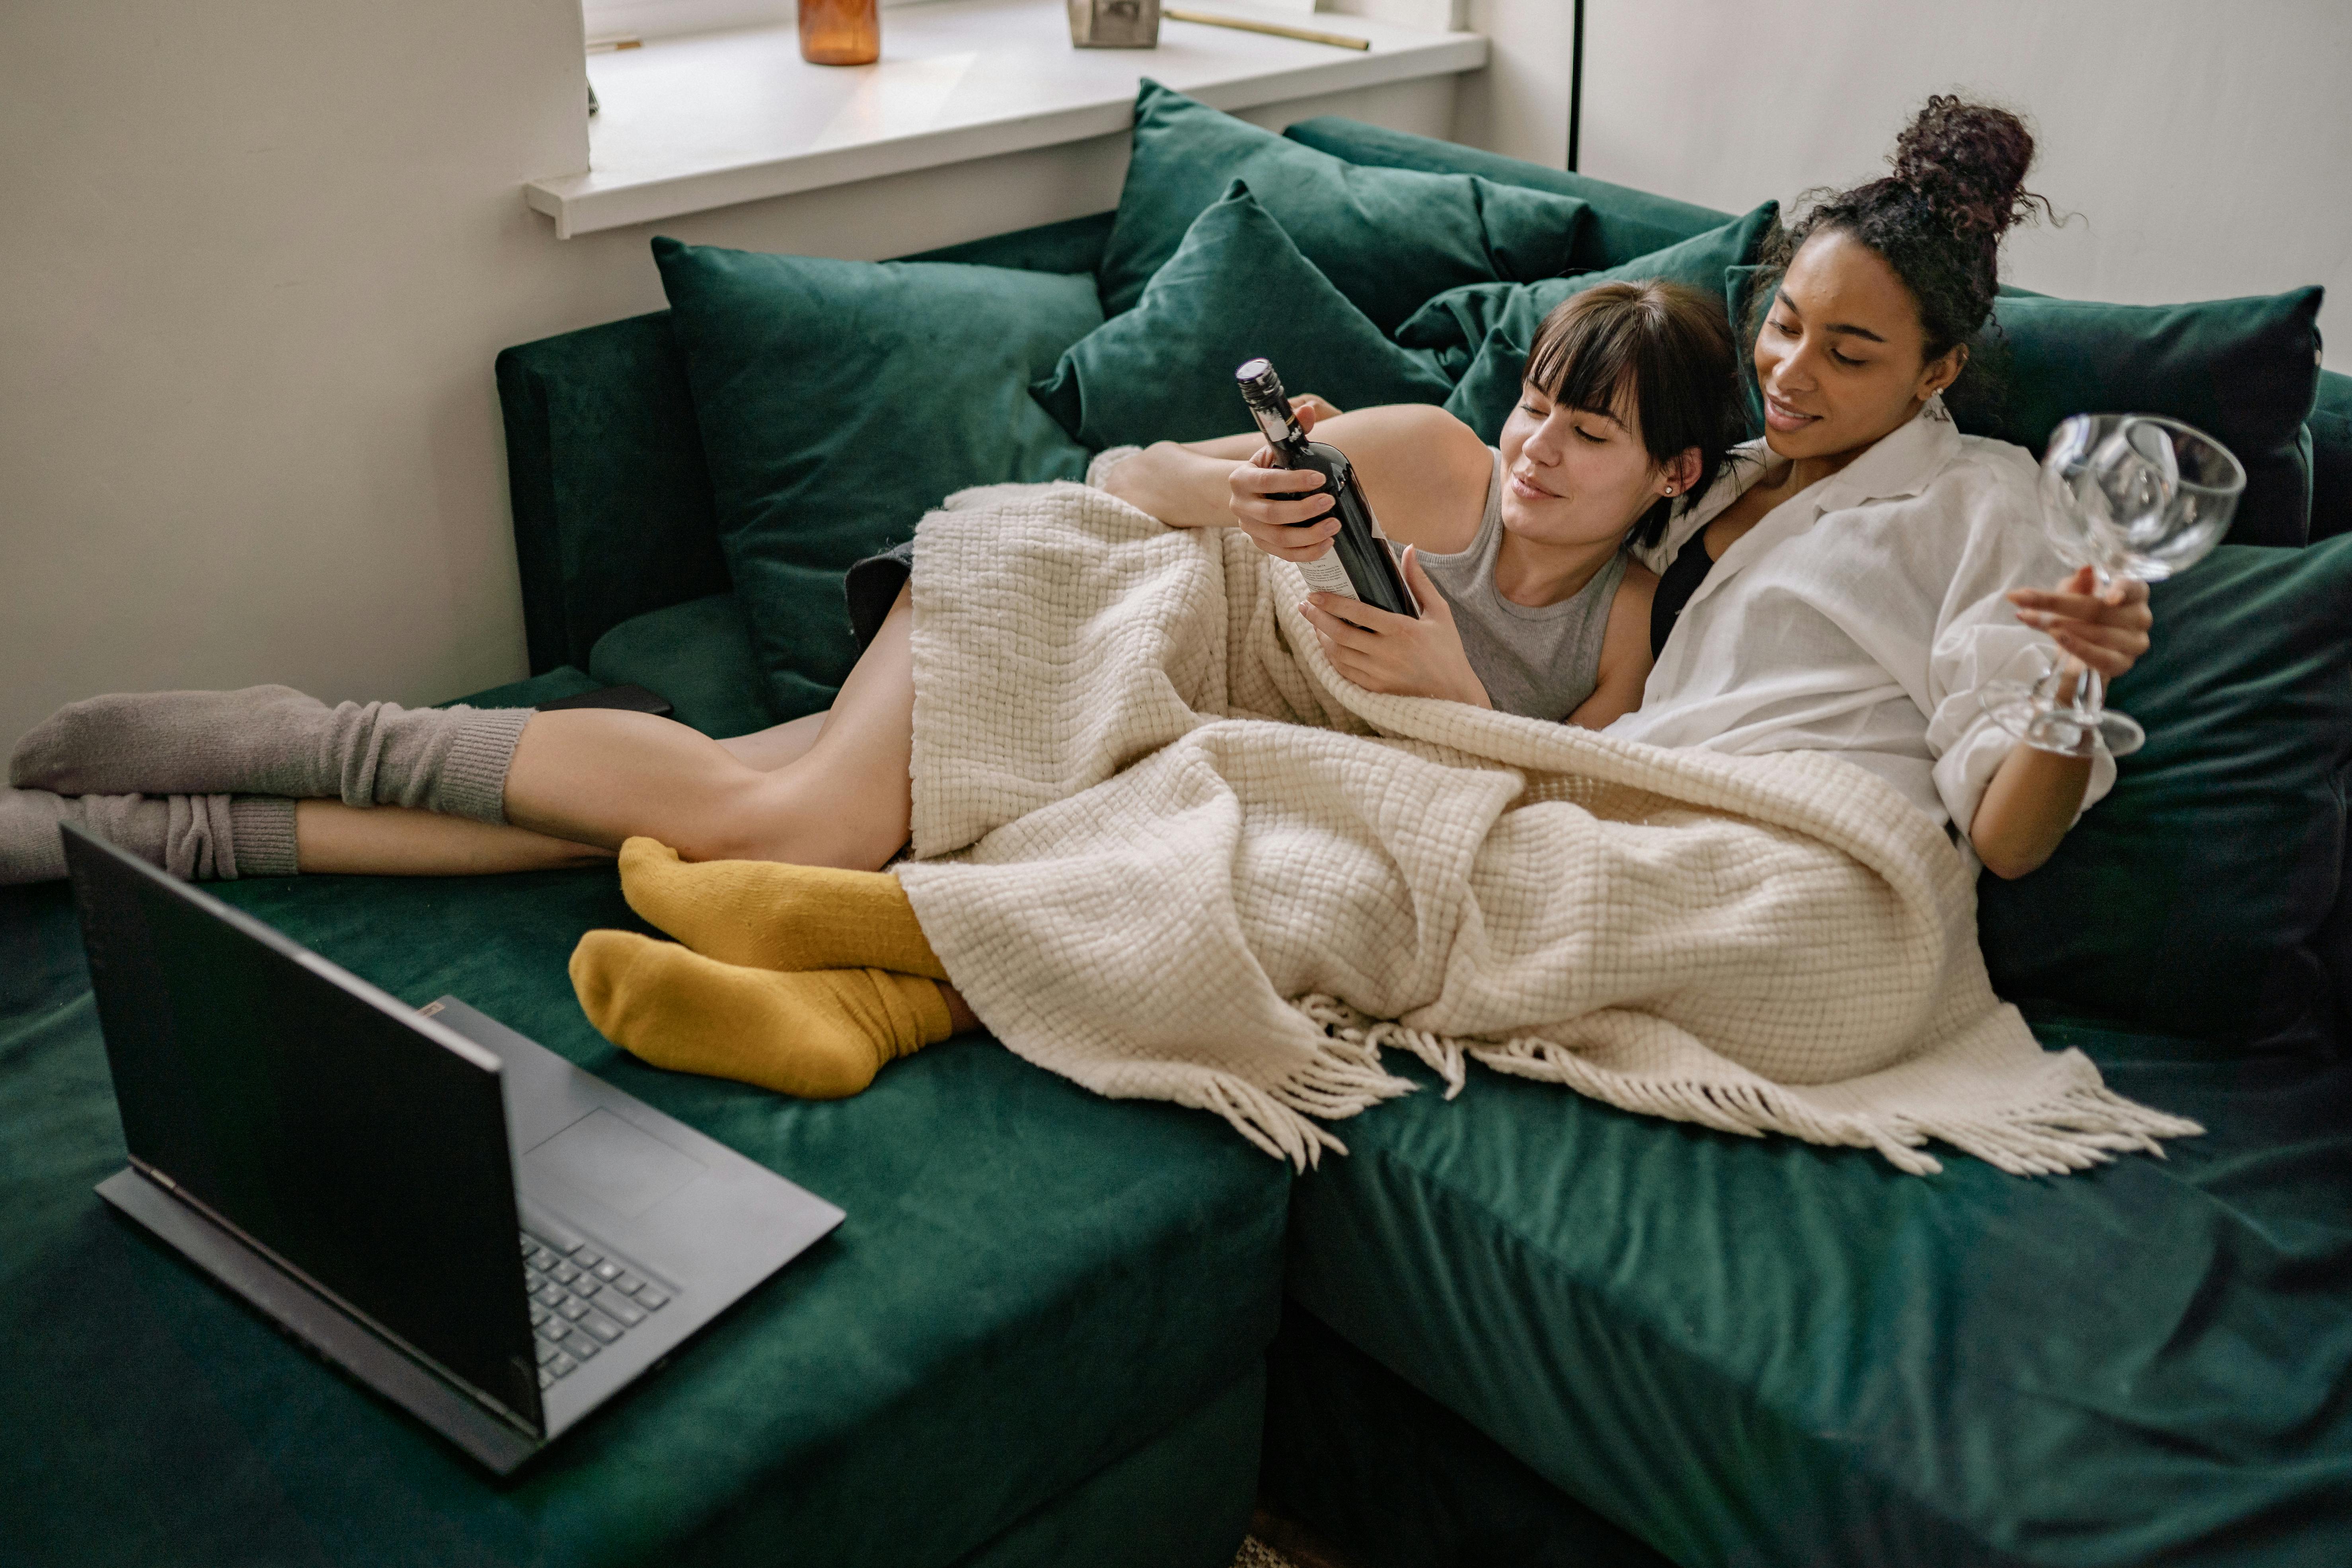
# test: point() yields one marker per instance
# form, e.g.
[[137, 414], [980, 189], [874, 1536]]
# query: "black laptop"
[[484, 1234]]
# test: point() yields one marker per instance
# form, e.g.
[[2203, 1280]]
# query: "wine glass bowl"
[[2137, 495], [2127, 494]]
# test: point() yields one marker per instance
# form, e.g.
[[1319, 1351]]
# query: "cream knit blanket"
[[1166, 851]]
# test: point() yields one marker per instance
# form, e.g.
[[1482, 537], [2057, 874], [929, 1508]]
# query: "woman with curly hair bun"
[[1852, 584]]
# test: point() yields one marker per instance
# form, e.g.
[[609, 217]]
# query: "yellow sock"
[[820, 1035], [766, 915]]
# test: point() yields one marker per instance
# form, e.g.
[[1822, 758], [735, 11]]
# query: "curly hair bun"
[[1968, 163]]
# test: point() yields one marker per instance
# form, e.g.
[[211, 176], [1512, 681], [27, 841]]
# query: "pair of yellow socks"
[[801, 979]]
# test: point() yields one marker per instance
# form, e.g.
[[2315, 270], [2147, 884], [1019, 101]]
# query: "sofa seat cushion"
[[1767, 1351], [1387, 238], [1032, 1283]]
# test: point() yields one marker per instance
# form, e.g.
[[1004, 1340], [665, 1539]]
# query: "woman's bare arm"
[[2027, 808], [1424, 471], [1624, 653], [2035, 796]]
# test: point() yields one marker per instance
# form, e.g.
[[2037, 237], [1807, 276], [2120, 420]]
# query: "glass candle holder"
[[840, 32]]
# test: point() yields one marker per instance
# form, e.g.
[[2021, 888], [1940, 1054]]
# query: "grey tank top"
[[1539, 661]]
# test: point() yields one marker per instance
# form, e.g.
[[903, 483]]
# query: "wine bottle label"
[[1324, 574]]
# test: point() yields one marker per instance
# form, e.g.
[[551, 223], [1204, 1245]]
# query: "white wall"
[[1518, 104], [256, 258], [2207, 148]]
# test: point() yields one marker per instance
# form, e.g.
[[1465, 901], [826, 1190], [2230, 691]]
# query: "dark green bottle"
[[1359, 563]]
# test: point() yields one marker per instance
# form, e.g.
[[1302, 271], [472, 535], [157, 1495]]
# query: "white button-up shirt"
[[1861, 616]]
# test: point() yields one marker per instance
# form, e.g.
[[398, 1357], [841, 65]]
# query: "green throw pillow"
[[839, 401], [1482, 332], [2196, 898], [1387, 238], [2246, 372], [1236, 288]]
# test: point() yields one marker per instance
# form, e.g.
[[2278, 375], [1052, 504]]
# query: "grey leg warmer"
[[274, 740], [195, 838]]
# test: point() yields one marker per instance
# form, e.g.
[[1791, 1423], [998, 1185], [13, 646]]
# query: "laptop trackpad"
[[624, 1169]]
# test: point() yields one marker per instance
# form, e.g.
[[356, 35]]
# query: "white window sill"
[[691, 123]]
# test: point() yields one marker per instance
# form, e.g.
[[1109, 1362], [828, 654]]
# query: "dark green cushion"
[[1482, 332], [2244, 371], [698, 654], [1387, 238], [2331, 460], [1235, 289], [1756, 1350], [838, 401], [1621, 223], [1032, 1282], [2192, 898]]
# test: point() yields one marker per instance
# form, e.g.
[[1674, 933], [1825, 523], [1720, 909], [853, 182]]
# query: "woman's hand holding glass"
[[2106, 629], [2130, 499], [1397, 654]]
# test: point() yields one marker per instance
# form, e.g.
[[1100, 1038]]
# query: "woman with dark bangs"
[[1516, 552]]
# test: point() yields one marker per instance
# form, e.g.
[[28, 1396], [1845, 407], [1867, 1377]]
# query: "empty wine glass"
[[2127, 494]]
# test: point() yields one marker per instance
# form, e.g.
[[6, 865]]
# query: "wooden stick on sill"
[[1305, 35]]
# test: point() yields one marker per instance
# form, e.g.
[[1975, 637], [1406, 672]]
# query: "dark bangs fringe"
[[1666, 347]]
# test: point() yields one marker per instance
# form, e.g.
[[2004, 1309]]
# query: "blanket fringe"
[[1345, 1077], [2069, 1129], [1345, 1025]]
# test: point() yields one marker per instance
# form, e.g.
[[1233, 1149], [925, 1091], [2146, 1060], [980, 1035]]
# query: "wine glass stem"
[[2090, 695]]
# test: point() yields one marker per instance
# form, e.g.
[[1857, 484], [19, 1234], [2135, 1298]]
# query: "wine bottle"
[[1359, 565]]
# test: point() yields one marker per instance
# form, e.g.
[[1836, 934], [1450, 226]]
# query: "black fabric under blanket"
[[872, 587]]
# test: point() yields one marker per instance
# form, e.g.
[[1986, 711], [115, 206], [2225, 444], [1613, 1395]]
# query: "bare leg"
[[600, 776], [769, 749], [393, 840]]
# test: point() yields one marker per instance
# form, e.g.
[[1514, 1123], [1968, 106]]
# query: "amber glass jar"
[[840, 32]]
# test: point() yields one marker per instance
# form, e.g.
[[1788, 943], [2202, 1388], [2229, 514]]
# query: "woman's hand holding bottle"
[[1294, 530], [1397, 654]]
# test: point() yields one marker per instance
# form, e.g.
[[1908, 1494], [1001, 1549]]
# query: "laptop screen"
[[313, 1114]]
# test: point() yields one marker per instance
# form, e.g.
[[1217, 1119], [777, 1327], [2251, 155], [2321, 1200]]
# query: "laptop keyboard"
[[581, 1301]]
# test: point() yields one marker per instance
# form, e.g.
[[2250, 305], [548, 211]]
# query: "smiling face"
[[1841, 356], [1573, 476]]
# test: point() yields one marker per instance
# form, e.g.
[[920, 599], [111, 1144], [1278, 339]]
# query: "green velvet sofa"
[[1514, 1328]]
